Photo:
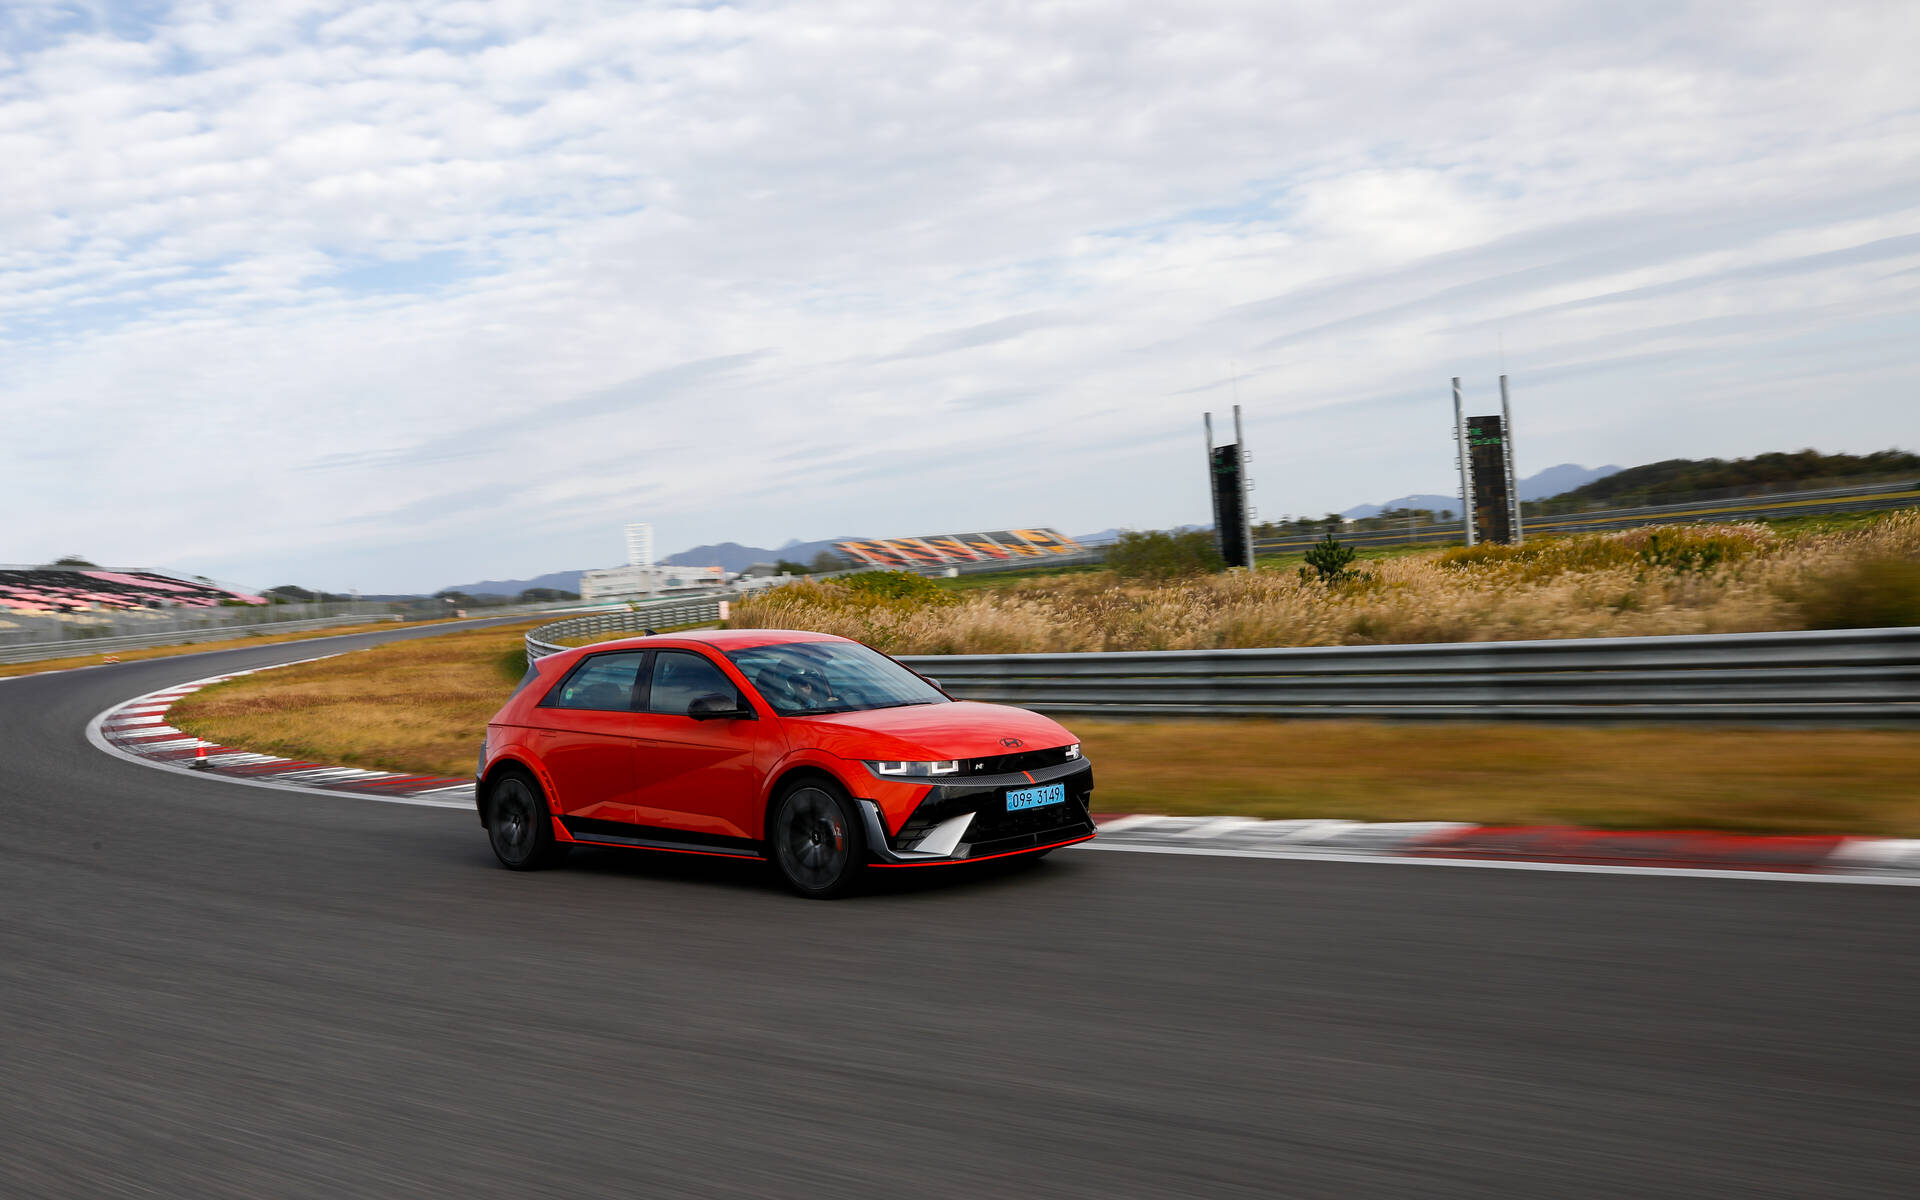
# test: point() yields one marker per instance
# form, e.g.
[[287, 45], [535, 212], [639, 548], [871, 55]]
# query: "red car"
[[817, 753]]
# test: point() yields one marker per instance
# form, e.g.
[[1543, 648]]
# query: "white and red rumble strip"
[[1565, 847], [138, 729]]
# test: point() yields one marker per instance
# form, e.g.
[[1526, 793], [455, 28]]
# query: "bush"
[[893, 587], [1329, 560], [1880, 593], [1156, 555]]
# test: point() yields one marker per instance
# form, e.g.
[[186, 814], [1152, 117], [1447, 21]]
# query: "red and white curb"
[[137, 730], [1819, 858]]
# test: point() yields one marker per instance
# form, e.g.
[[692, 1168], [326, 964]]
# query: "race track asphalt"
[[209, 990]]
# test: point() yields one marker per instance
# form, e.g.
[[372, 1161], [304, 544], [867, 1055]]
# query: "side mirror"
[[715, 707]]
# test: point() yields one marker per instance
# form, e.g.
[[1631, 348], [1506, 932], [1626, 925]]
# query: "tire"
[[815, 840], [518, 826]]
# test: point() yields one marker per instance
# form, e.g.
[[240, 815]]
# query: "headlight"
[[1073, 751], [916, 770]]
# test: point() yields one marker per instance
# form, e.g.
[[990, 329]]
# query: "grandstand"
[[959, 549], [47, 591]]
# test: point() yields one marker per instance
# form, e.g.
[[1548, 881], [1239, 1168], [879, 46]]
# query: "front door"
[[701, 777]]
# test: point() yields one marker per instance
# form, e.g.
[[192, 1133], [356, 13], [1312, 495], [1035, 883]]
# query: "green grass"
[[1293, 560], [993, 581]]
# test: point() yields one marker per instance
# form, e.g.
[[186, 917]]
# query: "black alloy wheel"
[[518, 825], [818, 844]]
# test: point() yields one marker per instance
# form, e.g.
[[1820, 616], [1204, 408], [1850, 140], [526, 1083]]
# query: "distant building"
[[640, 545], [633, 583]]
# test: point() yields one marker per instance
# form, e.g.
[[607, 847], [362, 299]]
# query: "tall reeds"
[[1688, 579]]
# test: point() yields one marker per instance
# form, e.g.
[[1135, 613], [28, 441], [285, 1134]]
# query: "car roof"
[[721, 639]]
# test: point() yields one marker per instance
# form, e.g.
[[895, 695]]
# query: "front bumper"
[[968, 820]]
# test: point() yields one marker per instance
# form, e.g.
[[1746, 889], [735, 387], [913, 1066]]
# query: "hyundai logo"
[[1011, 743]]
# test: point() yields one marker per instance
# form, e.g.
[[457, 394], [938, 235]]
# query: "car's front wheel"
[[816, 841], [518, 825]]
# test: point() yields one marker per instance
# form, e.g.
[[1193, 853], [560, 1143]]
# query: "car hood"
[[935, 732]]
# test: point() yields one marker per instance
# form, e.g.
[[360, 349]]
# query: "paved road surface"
[[209, 990]]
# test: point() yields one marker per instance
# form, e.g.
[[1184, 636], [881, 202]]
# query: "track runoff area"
[[137, 730]]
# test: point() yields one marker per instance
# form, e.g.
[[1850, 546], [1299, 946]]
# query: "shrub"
[[1158, 555], [1878, 593], [893, 587], [1329, 560]]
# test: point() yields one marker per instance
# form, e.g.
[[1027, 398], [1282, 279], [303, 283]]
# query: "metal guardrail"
[[1735, 508], [1846, 676], [649, 615], [38, 651]]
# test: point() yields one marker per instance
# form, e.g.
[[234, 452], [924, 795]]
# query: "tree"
[[787, 566], [1157, 555], [74, 560], [826, 561], [544, 595], [1328, 560]]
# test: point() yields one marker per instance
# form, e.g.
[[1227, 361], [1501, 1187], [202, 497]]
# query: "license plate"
[[1036, 797]]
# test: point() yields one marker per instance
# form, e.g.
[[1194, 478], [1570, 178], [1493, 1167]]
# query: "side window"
[[680, 677], [603, 682]]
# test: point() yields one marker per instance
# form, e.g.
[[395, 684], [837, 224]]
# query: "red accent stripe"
[[1612, 847], [954, 862]]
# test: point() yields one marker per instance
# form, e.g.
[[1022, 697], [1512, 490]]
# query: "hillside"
[[1550, 482], [1680, 478]]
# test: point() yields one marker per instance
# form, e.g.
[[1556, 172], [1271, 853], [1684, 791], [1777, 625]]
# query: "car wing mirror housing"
[[717, 707]]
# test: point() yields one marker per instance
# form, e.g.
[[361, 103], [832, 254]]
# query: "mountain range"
[[1538, 486], [730, 555]]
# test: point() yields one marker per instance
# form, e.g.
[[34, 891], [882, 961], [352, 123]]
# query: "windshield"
[[802, 678]]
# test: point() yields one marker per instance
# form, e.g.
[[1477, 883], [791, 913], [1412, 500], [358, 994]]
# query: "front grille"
[[992, 823], [1007, 764]]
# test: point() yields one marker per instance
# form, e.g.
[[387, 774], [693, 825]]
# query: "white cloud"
[[964, 265]]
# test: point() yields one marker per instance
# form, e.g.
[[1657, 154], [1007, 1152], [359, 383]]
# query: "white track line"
[[1334, 856]]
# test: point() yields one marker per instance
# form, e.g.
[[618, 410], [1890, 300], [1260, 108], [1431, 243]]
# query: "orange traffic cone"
[[199, 755]]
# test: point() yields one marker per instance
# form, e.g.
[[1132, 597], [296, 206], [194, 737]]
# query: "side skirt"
[[588, 832]]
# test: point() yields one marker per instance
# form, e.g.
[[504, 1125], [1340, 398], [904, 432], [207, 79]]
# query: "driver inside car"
[[811, 689]]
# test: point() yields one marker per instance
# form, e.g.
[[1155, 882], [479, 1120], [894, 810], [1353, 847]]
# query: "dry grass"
[[1689, 579], [1779, 781], [421, 706], [411, 706], [239, 643]]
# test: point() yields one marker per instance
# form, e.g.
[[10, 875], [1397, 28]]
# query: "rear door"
[[585, 736], [700, 777]]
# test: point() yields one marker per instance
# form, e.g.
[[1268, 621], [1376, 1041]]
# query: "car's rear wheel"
[[817, 844], [518, 825]]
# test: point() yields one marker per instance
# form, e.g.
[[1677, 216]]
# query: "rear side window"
[[533, 673], [680, 677], [603, 683]]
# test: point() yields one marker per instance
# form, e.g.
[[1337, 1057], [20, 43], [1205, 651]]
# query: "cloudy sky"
[[398, 295]]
